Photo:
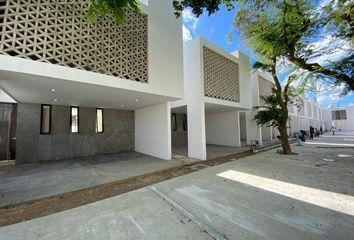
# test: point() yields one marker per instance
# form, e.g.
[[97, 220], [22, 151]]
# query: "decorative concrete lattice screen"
[[264, 88], [221, 76], [309, 110], [56, 31]]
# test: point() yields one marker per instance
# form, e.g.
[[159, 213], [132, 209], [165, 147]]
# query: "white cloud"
[[187, 36], [333, 96], [190, 19], [190, 23], [330, 49]]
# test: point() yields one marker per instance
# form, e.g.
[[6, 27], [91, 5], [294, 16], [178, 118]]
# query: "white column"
[[196, 130], [153, 131]]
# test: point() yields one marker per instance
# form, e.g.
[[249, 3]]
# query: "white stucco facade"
[[344, 121], [213, 119], [30, 81]]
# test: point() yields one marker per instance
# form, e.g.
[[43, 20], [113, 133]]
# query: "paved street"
[[265, 196]]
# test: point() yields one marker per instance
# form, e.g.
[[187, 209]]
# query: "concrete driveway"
[[265, 196]]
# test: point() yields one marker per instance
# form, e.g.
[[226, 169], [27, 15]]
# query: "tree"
[[115, 8], [304, 21]]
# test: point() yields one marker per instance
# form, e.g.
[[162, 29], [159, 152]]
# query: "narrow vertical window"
[[46, 115], [185, 126], [99, 120], [174, 121], [74, 119]]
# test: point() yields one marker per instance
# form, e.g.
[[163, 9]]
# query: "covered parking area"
[[206, 132], [29, 182]]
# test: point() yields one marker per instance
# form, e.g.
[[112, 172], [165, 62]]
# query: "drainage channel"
[[196, 220]]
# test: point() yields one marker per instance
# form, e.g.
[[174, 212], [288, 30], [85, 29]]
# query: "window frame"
[[96, 126], [78, 120], [50, 119]]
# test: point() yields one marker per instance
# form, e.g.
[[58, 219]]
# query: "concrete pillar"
[[153, 131], [196, 130]]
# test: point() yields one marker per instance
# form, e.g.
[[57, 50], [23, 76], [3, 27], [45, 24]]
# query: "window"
[[46, 115], [339, 115], [74, 119], [99, 120], [174, 122], [185, 128]]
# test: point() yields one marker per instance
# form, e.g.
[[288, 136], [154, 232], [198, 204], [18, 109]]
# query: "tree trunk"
[[284, 138]]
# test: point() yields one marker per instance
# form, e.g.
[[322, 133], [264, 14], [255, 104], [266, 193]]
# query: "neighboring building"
[[304, 114], [84, 90], [217, 88], [262, 84], [341, 118]]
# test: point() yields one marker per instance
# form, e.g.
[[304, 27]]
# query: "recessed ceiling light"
[[136, 100], [53, 89], [122, 106], [55, 100]]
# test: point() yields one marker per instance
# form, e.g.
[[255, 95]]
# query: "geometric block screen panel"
[[56, 31], [221, 76], [264, 88]]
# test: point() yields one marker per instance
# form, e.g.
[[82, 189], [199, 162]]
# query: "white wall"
[[243, 127], [344, 125], [223, 129], [266, 134], [294, 124], [253, 131], [153, 131], [304, 124], [165, 49]]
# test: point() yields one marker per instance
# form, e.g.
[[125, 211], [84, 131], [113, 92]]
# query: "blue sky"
[[216, 28]]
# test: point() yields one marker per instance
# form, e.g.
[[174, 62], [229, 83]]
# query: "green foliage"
[[199, 6], [115, 8], [339, 14], [269, 113]]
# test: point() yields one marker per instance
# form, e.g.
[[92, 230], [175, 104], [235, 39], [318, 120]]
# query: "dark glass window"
[[46, 115]]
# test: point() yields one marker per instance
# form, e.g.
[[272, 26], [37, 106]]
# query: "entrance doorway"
[[8, 119], [179, 132]]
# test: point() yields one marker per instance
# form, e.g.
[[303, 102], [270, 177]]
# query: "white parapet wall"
[[223, 129], [153, 131]]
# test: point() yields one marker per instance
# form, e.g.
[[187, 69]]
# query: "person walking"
[[312, 131], [321, 130], [332, 130]]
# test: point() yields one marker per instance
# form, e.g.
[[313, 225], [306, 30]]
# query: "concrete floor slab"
[[264, 196], [140, 214], [32, 181], [270, 196]]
